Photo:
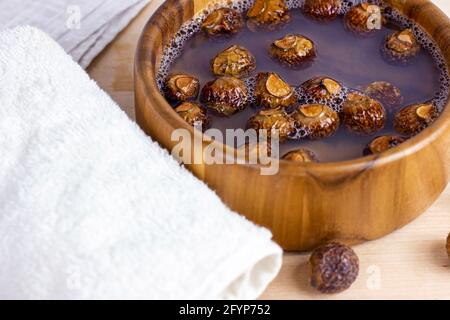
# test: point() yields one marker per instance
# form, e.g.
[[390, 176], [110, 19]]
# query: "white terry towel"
[[90, 207], [82, 27]]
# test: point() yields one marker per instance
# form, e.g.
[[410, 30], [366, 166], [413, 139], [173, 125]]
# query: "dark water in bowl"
[[354, 61]]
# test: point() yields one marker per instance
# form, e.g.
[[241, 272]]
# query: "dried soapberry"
[[269, 12], [193, 114], [301, 155], [293, 49], [383, 143], [224, 20], [385, 92], [362, 114], [322, 9], [225, 95], [182, 87], [274, 119], [364, 18], [317, 120], [322, 88], [334, 268], [448, 245], [401, 46], [273, 92], [413, 119], [234, 61]]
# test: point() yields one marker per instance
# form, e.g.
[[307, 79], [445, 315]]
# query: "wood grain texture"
[[412, 262], [308, 204]]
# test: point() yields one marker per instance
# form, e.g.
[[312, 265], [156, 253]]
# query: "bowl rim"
[[145, 67]]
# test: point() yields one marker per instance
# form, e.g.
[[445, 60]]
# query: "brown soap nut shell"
[[448, 245], [401, 47], [413, 119], [223, 21], [225, 95], [234, 61], [293, 50], [382, 144], [271, 91], [318, 120], [269, 12], [322, 88], [362, 114], [322, 9], [301, 156], [389, 95], [181, 87], [358, 19], [193, 114], [334, 268], [276, 119]]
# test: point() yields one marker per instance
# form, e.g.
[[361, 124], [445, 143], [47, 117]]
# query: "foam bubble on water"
[[335, 102], [251, 84], [191, 27]]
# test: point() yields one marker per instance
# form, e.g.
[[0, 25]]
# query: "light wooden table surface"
[[409, 264]]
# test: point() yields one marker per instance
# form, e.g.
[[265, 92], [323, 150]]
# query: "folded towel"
[[90, 207], [82, 27]]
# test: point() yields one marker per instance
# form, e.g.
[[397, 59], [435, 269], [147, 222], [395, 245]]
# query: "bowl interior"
[[173, 13]]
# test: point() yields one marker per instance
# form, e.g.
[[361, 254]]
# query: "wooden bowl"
[[307, 204]]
